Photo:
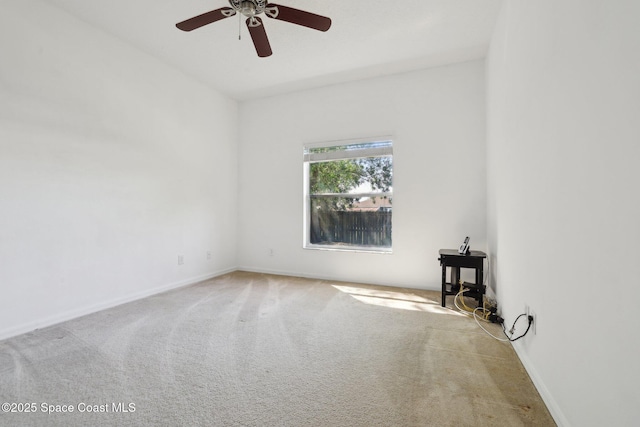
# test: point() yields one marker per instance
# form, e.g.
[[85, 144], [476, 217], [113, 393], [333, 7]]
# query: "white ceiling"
[[367, 38]]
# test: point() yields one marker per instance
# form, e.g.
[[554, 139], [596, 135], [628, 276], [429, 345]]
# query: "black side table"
[[452, 258]]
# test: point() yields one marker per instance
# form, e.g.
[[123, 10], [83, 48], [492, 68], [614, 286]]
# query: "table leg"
[[444, 284], [479, 279], [455, 279]]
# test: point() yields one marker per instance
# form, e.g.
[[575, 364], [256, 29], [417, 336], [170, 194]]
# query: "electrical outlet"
[[180, 259], [272, 252], [208, 254], [533, 322]]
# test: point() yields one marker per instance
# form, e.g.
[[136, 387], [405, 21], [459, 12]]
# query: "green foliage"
[[338, 176], [378, 171], [343, 176]]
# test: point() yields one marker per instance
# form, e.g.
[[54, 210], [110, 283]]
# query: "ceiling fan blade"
[[206, 18], [296, 16], [259, 37]]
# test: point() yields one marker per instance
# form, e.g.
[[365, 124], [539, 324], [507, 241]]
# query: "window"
[[348, 195]]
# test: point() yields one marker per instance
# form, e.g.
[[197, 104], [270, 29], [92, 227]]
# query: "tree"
[[378, 171], [343, 176], [338, 176]]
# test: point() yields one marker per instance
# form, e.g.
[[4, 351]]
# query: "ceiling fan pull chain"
[[239, 26]]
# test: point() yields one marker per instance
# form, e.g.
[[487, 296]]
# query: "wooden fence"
[[351, 228]]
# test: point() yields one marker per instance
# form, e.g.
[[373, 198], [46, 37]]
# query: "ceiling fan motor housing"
[[249, 8]]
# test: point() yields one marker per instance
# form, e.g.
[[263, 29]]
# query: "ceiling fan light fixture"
[[249, 8]]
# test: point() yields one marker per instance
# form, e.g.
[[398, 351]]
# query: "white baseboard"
[[83, 311], [545, 394]]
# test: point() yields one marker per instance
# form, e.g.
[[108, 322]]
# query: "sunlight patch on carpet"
[[397, 300]]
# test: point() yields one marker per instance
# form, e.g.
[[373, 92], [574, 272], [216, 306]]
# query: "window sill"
[[358, 249]]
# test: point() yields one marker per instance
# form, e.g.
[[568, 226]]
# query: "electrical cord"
[[529, 318], [487, 274], [465, 309], [475, 317], [455, 300], [468, 310], [508, 338], [489, 316]]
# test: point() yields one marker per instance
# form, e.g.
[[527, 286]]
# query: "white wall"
[[564, 206], [111, 165], [437, 119]]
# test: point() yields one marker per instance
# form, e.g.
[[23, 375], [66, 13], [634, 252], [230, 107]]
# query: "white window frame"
[[309, 158]]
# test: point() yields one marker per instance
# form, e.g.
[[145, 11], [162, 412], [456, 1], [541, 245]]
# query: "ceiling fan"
[[252, 8]]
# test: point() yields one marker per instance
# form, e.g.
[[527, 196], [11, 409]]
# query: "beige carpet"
[[249, 349]]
